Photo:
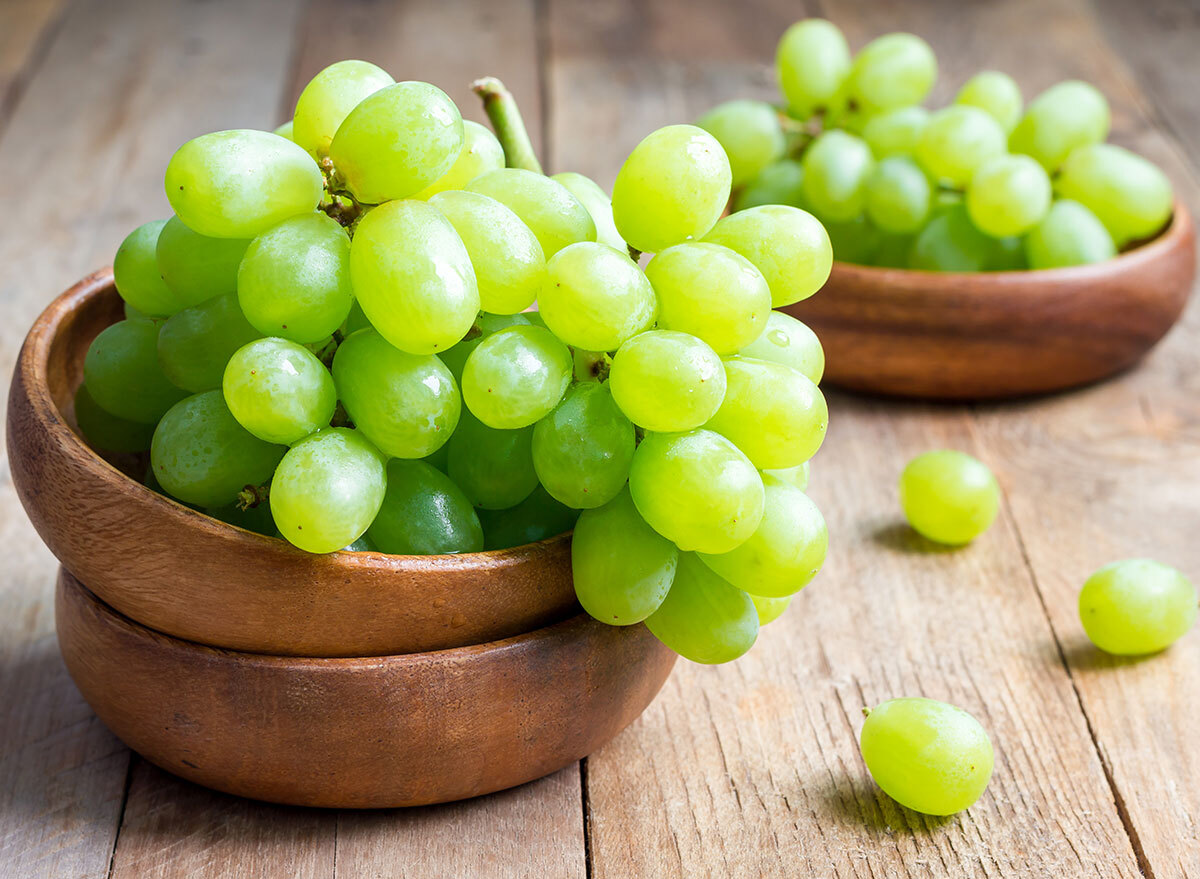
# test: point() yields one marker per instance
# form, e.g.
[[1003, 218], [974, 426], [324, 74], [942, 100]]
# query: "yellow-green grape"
[[595, 297], [123, 376], [486, 324], [424, 513], [537, 517], [749, 132], [855, 242], [1065, 116], [1069, 235], [278, 390], [106, 431], [1008, 196], [548, 208], [896, 132], [770, 609], [667, 381], [286, 130], [711, 292], [697, 489], [196, 267], [1137, 606], [949, 496], [781, 182], [790, 342], [674, 186], [494, 468], [773, 413], [355, 320], [1129, 194], [789, 246], [597, 203], [237, 184], [996, 93], [582, 450], [811, 61], [928, 756], [195, 344], [516, 376], [510, 267], [136, 272], [951, 243], [413, 277], [481, 153], [703, 618], [898, 196], [797, 476], [836, 169], [894, 70], [328, 99], [956, 141]]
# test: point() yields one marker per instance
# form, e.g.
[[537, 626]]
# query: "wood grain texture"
[[27, 28]]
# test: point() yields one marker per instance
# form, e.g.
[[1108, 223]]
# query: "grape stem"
[[505, 116], [252, 496]]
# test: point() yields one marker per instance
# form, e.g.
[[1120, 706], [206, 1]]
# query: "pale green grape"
[[996, 93], [891, 71], [538, 517], [837, 167], [596, 297], [406, 404], [797, 476], [928, 756], [673, 186], [704, 618], [294, 280], [667, 381], [494, 468], [1065, 116], [811, 62], [123, 376], [516, 376], [424, 513], [790, 342], [328, 489], [1127, 193], [413, 277], [202, 456], [896, 132], [949, 496], [597, 203], [456, 358], [951, 243], [195, 267], [898, 196], [328, 99], [136, 272], [106, 431], [1137, 606], [1008, 196], [278, 390], [286, 130], [582, 450], [856, 242], [779, 183], [697, 489], [132, 313], [956, 141], [397, 141], [749, 132], [481, 153], [548, 208], [237, 184], [195, 344], [1069, 235], [770, 609]]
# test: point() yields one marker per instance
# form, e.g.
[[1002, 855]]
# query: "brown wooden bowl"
[[993, 335], [188, 575], [360, 733]]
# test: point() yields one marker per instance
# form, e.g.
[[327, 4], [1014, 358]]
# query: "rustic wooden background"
[[747, 770]]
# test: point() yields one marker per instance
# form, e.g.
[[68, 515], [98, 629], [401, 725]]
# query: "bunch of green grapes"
[[985, 184]]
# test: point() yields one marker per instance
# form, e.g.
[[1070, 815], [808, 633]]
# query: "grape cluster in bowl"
[[985, 184]]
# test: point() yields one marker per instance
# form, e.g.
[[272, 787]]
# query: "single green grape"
[[195, 344], [949, 496], [956, 141], [456, 358], [770, 609], [1069, 235], [582, 450], [424, 513], [494, 468], [858, 241], [779, 183], [928, 756], [896, 132], [667, 381], [1065, 116], [596, 297], [837, 167], [704, 618], [797, 476], [123, 376], [895, 70], [278, 390], [195, 267], [1127, 193], [597, 203], [749, 132], [951, 243], [481, 153], [1137, 606], [328, 99], [811, 62], [996, 93], [1008, 196], [286, 130], [898, 196], [136, 272], [538, 517], [548, 208], [516, 376], [105, 431]]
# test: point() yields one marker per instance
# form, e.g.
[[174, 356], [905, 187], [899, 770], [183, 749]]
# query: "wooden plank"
[[27, 27]]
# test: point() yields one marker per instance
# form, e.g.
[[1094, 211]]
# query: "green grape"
[[622, 567], [596, 297], [1128, 194], [1065, 116], [439, 458], [136, 272], [103, 430], [1008, 196], [896, 132], [749, 132], [790, 342], [294, 281], [956, 141], [363, 544], [538, 517], [494, 468], [256, 518], [328, 489], [770, 609], [547, 207], [456, 358], [355, 320], [195, 267], [481, 153], [951, 243], [898, 195], [516, 376], [667, 381], [836, 168], [891, 71], [673, 186], [195, 344], [397, 141], [786, 551], [1008, 255], [812, 61], [132, 313], [781, 183], [996, 93], [278, 390], [948, 496], [797, 476], [287, 130], [406, 404], [237, 184], [894, 251], [201, 455], [1069, 235], [696, 489], [509, 264], [703, 618], [582, 450], [598, 205], [424, 513], [328, 99], [711, 292], [1137, 606], [855, 242], [412, 276], [928, 756], [123, 376]]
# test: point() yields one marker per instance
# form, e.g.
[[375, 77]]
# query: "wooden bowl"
[[188, 575], [993, 335], [360, 733]]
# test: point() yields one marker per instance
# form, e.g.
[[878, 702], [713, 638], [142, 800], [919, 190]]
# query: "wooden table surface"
[[746, 770]]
